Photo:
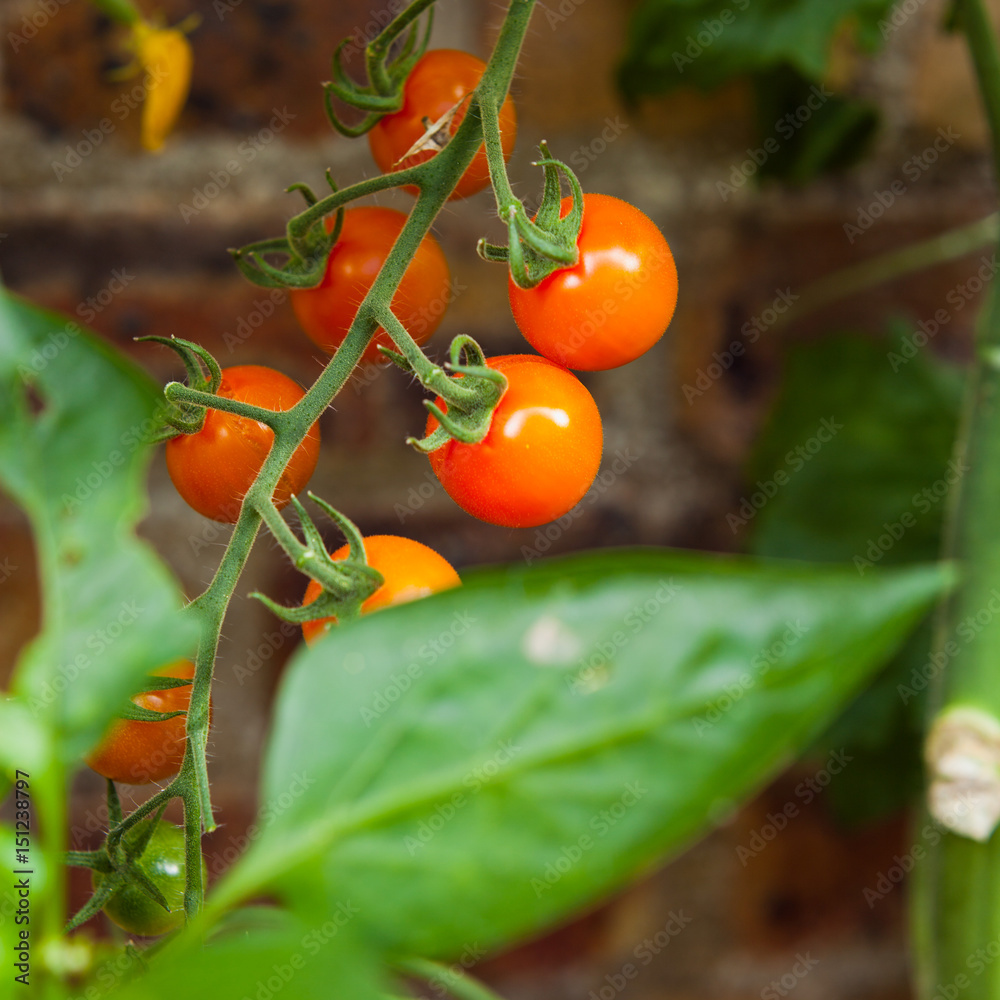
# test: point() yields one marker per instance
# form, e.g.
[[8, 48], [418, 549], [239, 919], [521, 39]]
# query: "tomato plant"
[[541, 452], [326, 312], [214, 467], [163, 863], [137, 752], [615, 303], [441, 81], [480, 731], [411, 571]]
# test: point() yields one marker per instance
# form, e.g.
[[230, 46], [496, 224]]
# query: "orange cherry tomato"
[[214, 468], [540, 454], [614, 303], [411, 571], [137, 753], [441, 79], [326, 312]]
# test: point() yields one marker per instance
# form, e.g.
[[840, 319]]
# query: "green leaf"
[[805, 129], [269, 953], [872, 494], [783, 48], [847, 498], [705, 43], [73, 416], [469, 768]]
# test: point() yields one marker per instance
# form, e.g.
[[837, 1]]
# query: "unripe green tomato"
[[163, 863]]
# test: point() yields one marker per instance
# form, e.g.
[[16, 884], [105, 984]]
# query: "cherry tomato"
[[326, 312], [411, 570], [611, 306], [163, 862], [214, 468], [137, 753], [540, 454], [441, 79]]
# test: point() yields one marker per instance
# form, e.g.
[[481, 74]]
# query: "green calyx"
[[136, 713], [347, 583], [117, 867], [471, 396], [383, 93], [203, 375], [536, 247], [305, 246]]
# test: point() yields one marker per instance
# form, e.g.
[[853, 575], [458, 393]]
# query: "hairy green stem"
[[956, 913], [178, 393], [435, 179]]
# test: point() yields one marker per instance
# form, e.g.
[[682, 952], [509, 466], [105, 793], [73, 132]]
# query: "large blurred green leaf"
[[871, 495], [73, 413], [472, 767], [259, 954]]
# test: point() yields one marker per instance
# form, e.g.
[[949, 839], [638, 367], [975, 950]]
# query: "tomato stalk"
[[435, 180], [470, 400], [955, 912], [384, 94], [549, 241]]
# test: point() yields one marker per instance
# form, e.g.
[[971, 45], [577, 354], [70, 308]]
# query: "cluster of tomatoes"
[[543, 447]]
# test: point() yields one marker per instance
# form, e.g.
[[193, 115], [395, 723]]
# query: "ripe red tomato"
[[540, 454], [137, 753], [441, 79], [326, 312], [411, 570], [614, 303], [164, 863], [214, 468]]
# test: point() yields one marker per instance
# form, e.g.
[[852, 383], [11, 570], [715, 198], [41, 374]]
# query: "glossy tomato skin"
[[411, 571], [138, 753], [540, 455], [163, 862], [615, 303], [440, 80], [214, 468], [326, 312]]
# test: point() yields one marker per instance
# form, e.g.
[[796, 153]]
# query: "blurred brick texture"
[[716, 922]]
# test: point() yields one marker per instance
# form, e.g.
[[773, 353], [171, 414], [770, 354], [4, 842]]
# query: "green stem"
[[194, 889], [376, 51], [178, 393], [981, 37], [956, 910], [436, 179], [885, 267], [431, 376]]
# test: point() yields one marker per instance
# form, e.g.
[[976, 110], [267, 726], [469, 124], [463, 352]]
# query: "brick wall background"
[[71, 225]]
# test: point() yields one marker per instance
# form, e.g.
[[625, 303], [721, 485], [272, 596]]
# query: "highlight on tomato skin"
[[540, 454], [440, 80], [213, 468], [138, 753], [368, 233], [411, 570], [615, 303]]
